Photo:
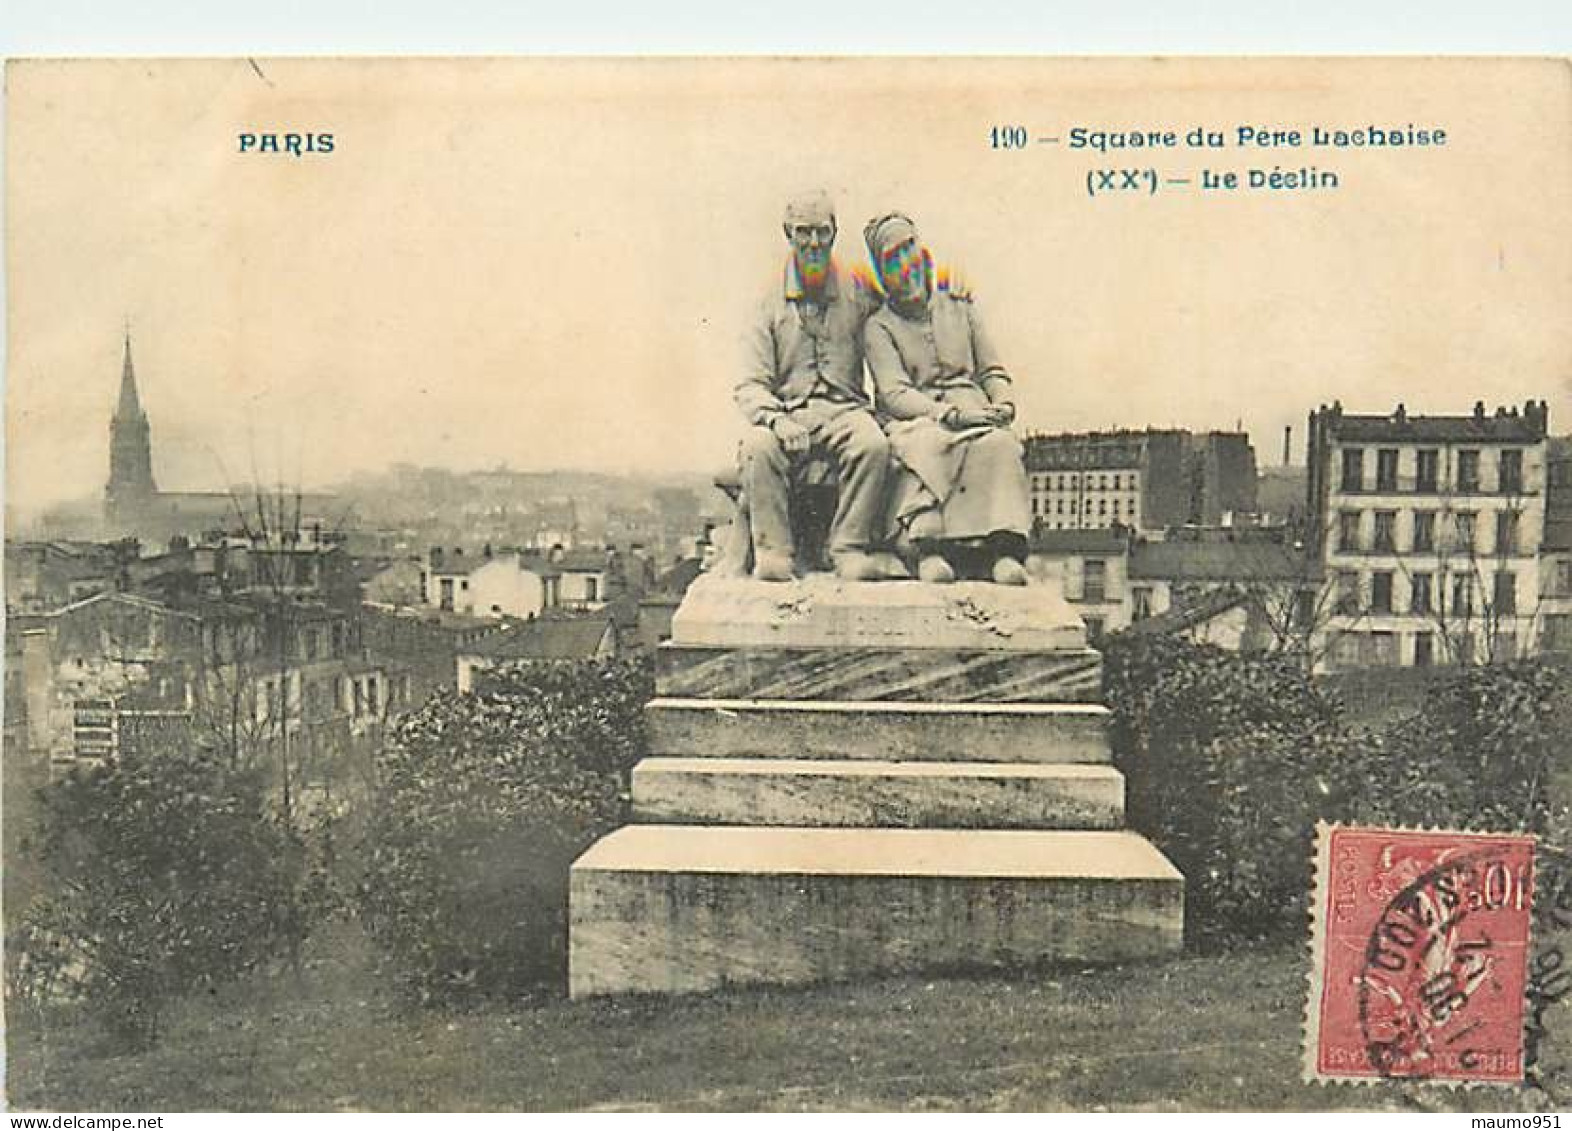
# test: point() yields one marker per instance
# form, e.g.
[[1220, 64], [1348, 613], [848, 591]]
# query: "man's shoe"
[[1008, 571], [772, 567], [935, 570], [853, 565]]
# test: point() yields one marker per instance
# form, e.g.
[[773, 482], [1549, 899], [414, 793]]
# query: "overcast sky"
[[550, 264]]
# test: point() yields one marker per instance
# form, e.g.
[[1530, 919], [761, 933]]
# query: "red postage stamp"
[[1420, 955]]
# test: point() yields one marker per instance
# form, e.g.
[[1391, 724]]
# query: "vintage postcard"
[[809, 584]]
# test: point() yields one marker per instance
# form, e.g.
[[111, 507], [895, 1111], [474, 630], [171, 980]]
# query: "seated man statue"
[[803, 393]]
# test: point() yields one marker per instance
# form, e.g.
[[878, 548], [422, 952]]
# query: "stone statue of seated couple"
[[926, 474]]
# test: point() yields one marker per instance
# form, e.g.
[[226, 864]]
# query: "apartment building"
[[1428, 528], [1146, 481]]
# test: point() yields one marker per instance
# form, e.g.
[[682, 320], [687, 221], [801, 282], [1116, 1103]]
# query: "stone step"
[[938, 675], [683, 908], [886, 731], [848, 794]]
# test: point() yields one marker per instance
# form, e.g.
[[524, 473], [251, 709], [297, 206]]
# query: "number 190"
[[1008, 137]]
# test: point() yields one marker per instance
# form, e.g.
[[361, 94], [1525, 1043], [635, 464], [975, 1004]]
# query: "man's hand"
[[1003, 414], [793, 436]]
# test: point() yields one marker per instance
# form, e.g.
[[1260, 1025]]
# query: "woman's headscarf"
[[887, 231]]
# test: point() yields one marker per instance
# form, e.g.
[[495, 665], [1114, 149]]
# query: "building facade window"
[[1462, 606], [1424, 650], [1094, 586], [1141, 602], [1507, 532], [1504, 603], [1353, 469], [1381, 591], [1557, 636], [1347, 591], [1348, 531], [1511, 477], [1465, 523], [1468, 470], [1385, 540], [1424, 531], [1381, 650], [1427, 465], [1419, 594], [1386, 469]]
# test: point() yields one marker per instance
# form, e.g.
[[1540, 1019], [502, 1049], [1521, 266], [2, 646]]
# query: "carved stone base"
[[675, 909], [931, 732], [822, 611], [860, 778], [899, 674], [808, 792]]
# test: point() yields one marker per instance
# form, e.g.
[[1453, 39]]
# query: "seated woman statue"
[[961, 503]]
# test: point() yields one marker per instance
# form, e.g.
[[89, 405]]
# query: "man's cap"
[[812, 207]]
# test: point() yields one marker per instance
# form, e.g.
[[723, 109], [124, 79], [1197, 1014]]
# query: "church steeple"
[[131, 487], [130, 406]]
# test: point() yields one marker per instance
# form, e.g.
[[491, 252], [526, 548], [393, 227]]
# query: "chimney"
[[1288, 440], [1479, 410], [1537, 414]]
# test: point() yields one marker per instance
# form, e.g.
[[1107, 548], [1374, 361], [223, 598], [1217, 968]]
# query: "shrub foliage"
[[165, 872], [1231, 759], [481, 803]]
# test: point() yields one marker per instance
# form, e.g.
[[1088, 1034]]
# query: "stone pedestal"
[[851, 779]]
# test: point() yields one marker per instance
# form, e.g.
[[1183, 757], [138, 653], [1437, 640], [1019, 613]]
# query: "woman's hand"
[[959, 419]]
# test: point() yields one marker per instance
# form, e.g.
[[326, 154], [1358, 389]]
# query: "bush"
[[1480, 753], [165, 872], [481, 803], [1231, 759]]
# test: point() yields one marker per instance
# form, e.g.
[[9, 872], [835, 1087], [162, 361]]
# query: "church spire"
[[131, 488], [130, 406]]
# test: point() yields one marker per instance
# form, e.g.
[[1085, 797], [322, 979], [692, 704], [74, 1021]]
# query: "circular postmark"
[[1547, 1063], [1442, 989]]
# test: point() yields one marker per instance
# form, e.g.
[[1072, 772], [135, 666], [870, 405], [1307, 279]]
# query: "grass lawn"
[[1208, 1032]]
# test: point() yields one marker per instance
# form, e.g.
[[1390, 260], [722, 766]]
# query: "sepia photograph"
[[788, 584]]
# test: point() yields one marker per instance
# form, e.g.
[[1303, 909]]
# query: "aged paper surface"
[[409, 307]]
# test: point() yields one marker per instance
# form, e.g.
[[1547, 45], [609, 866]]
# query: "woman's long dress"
[[960, 485]]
